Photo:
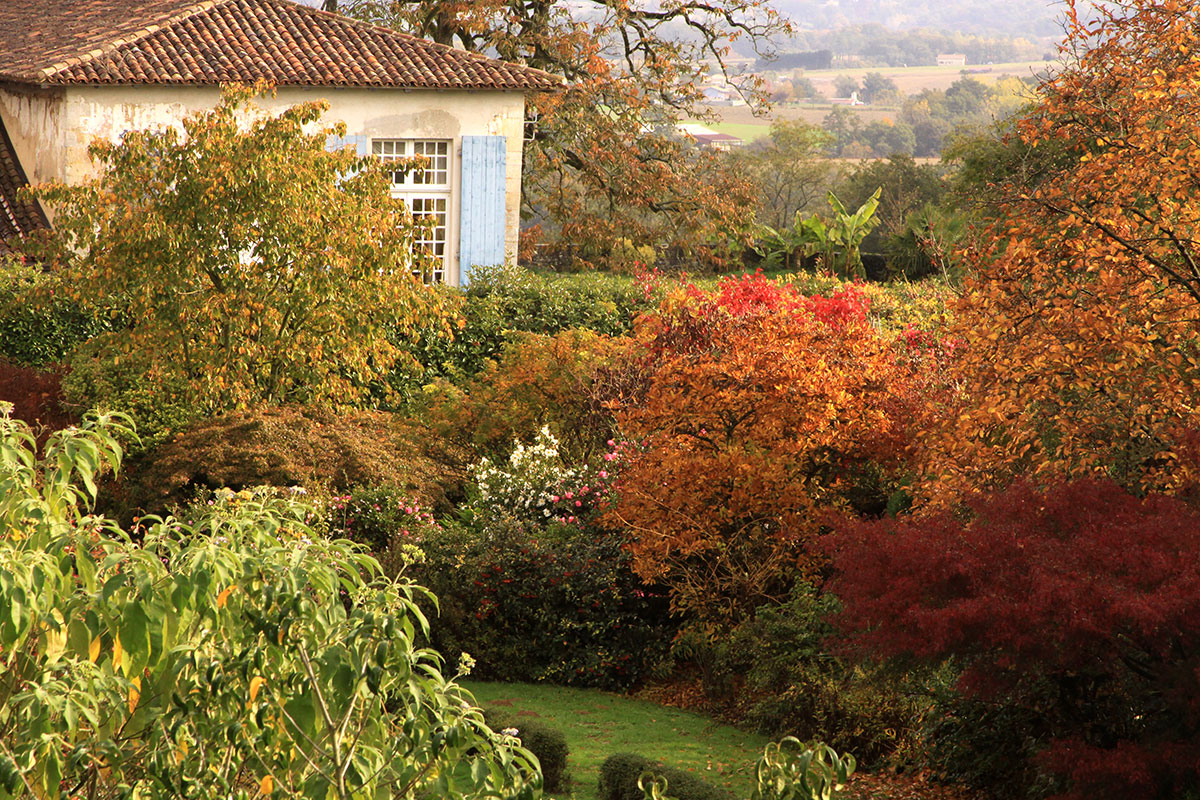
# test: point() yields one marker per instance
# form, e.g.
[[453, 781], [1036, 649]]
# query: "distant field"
[[911, 80], [740, 121], [747, 132]]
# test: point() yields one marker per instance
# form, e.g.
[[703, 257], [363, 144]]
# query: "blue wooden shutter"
[[481, 227], [362, 144]]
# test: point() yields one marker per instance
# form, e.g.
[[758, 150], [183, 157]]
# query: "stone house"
[[74, 70]]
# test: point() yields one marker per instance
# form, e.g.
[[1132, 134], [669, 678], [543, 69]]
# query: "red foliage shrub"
[[36, 396], [1082, 601]]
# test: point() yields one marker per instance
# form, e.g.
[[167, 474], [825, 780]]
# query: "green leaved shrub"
[[231, 652], [547, 743], [621, 773], [567, 610]]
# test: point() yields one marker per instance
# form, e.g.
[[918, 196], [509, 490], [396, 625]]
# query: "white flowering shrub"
[[527, 487]]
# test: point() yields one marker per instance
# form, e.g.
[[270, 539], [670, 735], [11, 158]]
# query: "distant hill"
[[1024, 18]]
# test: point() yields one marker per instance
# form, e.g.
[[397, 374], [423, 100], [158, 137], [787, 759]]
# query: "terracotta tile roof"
[[17, 217], [214, 41]]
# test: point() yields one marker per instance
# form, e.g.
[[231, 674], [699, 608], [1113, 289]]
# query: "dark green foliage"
[[620, 772], [501, 301], [988, 745], [36, 326], [103, 377], [928, 244], [548, 744], [906, 187], [570, 611], [777, 671]]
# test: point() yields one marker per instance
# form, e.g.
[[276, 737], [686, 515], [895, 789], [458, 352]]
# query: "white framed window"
[[425, 189]]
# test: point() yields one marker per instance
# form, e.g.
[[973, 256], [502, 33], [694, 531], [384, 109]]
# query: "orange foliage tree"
[[1081, 323], [762, 408], [558, 380]]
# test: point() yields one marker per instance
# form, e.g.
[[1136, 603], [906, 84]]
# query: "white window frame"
[[426, 191]]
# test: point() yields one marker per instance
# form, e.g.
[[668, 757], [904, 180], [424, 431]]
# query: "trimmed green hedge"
[[620, 772], [548, 744], [504, 300]]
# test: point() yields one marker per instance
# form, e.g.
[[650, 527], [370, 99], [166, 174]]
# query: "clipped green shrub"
[[547, 743], [285, 446], [39, 326], [504, 300], [621, 772], [566, 610]]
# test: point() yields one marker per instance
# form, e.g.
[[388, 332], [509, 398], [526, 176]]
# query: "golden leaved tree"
[[1081, 325], [252, 264]]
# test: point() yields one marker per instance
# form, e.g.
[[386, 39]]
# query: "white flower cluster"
[[526, 486]]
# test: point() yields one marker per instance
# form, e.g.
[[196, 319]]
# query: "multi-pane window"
[[425, 189], [434, 233], [435, 155]]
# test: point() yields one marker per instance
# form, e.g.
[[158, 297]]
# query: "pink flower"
[[569, 495], [553, 498], [611, 443], [603, 474], [609, 456], [570, 519], [578, 503]]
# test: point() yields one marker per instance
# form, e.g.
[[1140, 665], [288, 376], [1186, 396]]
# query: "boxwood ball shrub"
[[547, 743], [620, 773]]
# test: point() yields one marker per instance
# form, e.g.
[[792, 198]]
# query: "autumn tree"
[[605, 163], [762, 407], [253, 265], [1081, 325], [788, 168]]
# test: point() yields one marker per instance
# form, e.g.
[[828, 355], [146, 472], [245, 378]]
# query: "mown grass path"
[[598, 724]]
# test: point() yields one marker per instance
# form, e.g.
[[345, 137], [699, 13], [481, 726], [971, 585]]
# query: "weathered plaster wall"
[[34, 121], [92, 112]]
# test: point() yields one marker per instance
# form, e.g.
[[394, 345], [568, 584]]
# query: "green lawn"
[[598, 724]]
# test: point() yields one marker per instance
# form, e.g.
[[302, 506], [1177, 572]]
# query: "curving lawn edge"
[[597, 724]]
